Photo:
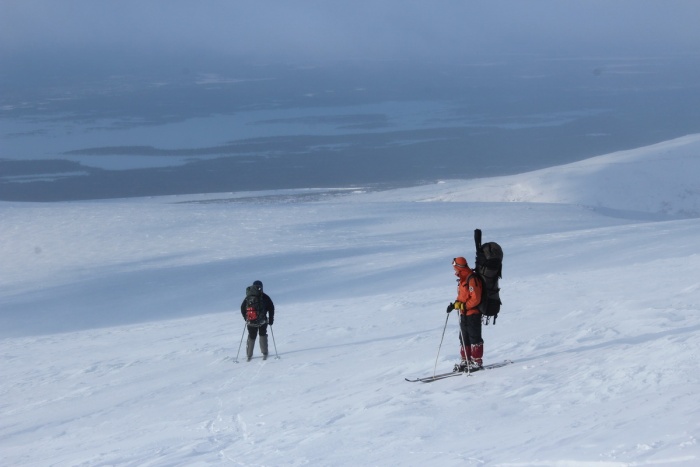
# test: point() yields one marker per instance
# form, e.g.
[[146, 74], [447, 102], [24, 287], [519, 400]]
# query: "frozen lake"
[[343, 125]]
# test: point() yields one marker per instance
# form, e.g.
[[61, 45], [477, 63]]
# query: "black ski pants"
[[253, 331], [470, 327]]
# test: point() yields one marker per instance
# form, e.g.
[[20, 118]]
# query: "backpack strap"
[[477, 278], [466, 283]]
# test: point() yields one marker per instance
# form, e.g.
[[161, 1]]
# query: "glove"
[[271, 320], [450, 307]]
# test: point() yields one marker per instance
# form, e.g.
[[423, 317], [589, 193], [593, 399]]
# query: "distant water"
[[347, 125]]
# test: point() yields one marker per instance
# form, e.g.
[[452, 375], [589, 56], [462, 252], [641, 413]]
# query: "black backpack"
[[255, 314], [489, 264]]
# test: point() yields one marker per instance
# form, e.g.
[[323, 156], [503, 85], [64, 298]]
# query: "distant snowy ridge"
[[660, 179]]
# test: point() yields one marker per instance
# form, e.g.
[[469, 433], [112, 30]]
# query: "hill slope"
[[658, 179], [120, 325]]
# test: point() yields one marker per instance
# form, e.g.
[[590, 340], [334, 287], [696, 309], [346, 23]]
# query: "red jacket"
[[468, 293]]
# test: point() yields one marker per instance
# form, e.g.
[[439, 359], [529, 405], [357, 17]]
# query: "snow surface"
[[119, 324]]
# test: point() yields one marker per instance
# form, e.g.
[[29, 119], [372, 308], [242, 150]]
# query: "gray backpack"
[[489, 266], [255, 314]]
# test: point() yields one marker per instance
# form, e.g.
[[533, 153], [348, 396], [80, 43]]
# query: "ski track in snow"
[[120, 327]]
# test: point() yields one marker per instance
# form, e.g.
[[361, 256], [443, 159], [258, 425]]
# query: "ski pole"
[[239, 345], [277, 356], [441, 339], [464, 346]]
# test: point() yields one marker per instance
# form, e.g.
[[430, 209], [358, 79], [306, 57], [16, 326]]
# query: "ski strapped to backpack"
[[255, 313], [488, 265]]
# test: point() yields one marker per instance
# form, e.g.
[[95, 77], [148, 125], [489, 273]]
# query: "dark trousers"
[[470, 327], [253, 331]]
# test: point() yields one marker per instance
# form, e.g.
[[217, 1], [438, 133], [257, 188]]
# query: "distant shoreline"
[[369, 125]]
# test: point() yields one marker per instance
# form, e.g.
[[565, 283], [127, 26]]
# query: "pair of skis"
[[430, 379]]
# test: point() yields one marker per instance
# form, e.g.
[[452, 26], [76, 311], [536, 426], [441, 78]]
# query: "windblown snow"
[[120, 325]]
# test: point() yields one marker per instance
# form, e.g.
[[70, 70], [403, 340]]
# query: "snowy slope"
[[120, 327], [662, 178]]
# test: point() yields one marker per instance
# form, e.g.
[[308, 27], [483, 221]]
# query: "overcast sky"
[[374, 29]]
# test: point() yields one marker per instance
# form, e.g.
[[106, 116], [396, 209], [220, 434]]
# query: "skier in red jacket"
[[468, 298]]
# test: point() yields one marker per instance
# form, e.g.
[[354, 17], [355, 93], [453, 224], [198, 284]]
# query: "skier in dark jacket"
[[268, 317]]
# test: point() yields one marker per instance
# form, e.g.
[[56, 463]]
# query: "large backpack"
[[256, 315], [489, 263]]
